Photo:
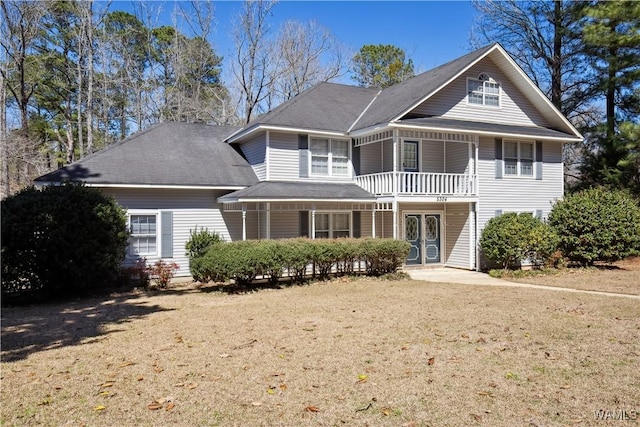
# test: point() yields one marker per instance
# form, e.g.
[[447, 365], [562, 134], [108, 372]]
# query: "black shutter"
[[499, 161], [538, 167], [356, 225], [167, 235], [304, 223], [303, 150]]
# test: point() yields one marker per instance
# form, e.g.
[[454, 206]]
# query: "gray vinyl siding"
[[432, 156], [191, 209], [457, 229], [387, 155], [255, 152], [285, 225], [371, 158], [518, 194], [283, 156], [451, 101], [457, 157], [384, 224]]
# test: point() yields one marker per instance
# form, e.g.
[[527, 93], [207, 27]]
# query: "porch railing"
[[418, 183]]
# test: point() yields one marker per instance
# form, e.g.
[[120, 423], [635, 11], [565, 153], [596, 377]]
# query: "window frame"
[[158, 225], [331, 223], [330, 156], [484, 92], [519, 159]]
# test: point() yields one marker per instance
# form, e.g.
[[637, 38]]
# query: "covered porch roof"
[[483, 128], [299, 191]]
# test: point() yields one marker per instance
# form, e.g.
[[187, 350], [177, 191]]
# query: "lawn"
[[345, 352]]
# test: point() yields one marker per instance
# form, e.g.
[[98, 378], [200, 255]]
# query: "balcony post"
[[373, 220]]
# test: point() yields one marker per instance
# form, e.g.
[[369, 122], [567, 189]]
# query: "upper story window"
[[483, 91], [143, 239], [518, 158], [329, 157]]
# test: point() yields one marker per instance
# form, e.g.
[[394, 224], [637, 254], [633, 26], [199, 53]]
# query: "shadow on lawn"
[[30, 329]]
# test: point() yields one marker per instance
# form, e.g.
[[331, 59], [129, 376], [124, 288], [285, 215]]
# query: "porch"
[[418, 184]]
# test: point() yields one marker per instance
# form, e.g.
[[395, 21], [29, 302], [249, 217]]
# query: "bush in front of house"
[[294, 258], [510, 238], [61, 240], [597, 225], [198, 244]]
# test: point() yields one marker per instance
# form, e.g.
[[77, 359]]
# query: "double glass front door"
[[422, 231]]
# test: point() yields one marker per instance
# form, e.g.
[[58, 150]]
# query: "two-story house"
[[429, 160]]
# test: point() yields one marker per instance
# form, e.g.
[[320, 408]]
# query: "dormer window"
[[483, 91]]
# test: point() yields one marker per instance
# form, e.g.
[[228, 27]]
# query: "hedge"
[[295, 259]]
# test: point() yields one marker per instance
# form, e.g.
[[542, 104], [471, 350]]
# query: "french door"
[[423, 232]]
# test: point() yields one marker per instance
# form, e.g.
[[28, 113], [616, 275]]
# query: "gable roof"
[[400, 97], [168, 154], [330, 107]]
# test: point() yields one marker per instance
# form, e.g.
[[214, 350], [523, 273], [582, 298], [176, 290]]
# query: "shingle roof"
[[166, 154], [325, 106], [299, 190], [485, 127], [398, 98]]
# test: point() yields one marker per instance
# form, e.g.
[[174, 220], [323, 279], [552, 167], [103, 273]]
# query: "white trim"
[[484, 94], [496, 46], [364, 111], [246, 132], [443, 233], [314, 214], [454, 77], [486, 133], [539, 92], [151, 186], [266, 155], [285, 200], [330, 174], [518, 173], [158, 234], [370, 129]]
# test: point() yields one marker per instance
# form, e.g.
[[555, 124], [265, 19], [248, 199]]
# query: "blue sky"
[[430, 32]]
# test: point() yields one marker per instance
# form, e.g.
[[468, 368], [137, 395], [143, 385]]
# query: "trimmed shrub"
[[383, 256], [597, 225], [510, 238], [61, 240], [162, 272], [246, 260], [198, 244]]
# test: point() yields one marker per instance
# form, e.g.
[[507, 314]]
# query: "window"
[[483, 92], [332, 225], [143, 239], [518, 158], [329, 157]]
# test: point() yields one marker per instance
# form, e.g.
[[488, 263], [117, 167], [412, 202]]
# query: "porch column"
[[395, 219], [268, 220], [395, 163], [313, 222], [373, 221], [244, 221]]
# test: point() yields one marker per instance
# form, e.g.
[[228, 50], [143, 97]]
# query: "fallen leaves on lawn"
[[312, 409], [363, 378], [100, 408], [431, 361]]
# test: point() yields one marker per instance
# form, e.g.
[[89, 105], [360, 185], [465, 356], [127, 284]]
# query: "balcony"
[[418, 184]]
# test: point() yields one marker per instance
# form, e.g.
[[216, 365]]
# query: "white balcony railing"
[[418, 183]]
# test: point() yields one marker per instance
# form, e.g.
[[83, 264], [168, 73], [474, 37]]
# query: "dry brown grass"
[[362, 352], [622, 277]]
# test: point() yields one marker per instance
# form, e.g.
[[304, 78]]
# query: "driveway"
[[467, 277]]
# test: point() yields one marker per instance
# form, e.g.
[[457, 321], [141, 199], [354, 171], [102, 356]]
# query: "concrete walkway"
[[466, 277]]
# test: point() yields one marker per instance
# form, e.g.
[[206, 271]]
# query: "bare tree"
[[253, 57], [308, 53], [19, 26]]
